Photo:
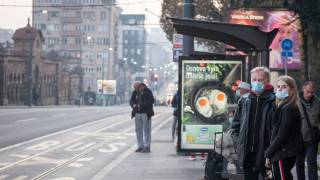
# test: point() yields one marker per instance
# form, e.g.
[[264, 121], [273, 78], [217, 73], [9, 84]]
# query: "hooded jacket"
[[243, 119]]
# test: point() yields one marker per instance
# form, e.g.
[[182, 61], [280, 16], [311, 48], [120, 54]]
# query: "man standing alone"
[[310, 117], [252, 123], [142, 109]]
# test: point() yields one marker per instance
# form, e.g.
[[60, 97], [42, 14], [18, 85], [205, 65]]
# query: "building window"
[[102, 41], [54, 27], [88, 28], [78, 28], [126, 32], [40, 1], [64, 27], [132, 51], [89, 15], [78, 14], [103, 28], [138, 51], [78, 40], [53, 40], [103, 15], [126, 41], [64, 40], [65, 14], [125, 51]]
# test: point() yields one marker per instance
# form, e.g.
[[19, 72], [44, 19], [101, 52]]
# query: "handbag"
[[315, 132]]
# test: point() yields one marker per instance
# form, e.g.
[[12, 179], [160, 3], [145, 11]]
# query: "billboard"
[[207, 90], [267, 21], [108, 86]]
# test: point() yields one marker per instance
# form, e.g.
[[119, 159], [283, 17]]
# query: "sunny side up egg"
[[219, 101], [203, 107]]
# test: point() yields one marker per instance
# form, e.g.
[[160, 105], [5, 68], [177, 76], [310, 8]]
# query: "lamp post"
[[80, 71], [31, 57]]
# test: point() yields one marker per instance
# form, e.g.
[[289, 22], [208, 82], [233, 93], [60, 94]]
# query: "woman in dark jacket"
[[286, 138]]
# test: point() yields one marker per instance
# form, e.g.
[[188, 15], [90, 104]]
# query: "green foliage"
[[204, 9]]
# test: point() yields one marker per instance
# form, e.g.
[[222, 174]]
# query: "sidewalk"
[[162, 163]]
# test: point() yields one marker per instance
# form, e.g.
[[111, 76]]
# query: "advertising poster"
[[207, 92], [267, 21], [109, 87]]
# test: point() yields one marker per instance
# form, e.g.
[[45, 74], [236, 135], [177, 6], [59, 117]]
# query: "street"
[[68, 142]]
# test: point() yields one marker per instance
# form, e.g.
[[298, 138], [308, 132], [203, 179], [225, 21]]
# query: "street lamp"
[[30, 58], [80, 72]]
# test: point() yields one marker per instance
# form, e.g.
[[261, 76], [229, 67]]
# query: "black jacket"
[[286, 138], [241, 125], [146, 105]]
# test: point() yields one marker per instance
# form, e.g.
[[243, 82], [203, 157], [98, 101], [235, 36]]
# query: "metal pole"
[[286, 66], [30, 70], [188, 41], [102, 82], [80, 73]]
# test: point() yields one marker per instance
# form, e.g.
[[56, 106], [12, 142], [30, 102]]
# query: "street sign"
[[286, 54], [177, 41], [287, 44]]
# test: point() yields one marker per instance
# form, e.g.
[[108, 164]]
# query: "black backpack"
[[214, 164]]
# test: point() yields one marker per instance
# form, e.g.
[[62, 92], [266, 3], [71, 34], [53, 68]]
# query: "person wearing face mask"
[[251, 125], [286, 138], [243, 89], [310, 119]]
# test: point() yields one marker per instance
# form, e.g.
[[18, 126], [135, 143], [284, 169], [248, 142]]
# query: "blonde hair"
[[294, 97], [263, 69]]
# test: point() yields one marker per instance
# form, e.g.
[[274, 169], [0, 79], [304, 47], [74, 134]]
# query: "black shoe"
[[146, 150], [139, 150]]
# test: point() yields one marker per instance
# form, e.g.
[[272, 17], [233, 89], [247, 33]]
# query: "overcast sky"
[[14, 13]]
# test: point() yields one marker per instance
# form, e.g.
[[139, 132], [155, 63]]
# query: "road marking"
[[24, 120], [106, 170], [59, 115], [56, 133]]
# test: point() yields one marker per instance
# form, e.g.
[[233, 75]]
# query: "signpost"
[[286, 45], [177, 46]]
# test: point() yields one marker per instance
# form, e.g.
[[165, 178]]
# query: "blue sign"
[[287, 44], [286, 54]]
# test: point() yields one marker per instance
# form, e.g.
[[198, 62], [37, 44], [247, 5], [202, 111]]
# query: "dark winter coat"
[[146, 105], [241, 125], [286, 138]]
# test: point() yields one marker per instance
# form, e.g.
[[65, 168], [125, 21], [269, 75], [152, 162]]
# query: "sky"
[[14, 13]]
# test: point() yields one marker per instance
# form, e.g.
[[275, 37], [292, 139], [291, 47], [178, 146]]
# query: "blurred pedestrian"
[[310, 119], [252, 123], [243, 89], [286, 137], [142, 109], [176, 113]]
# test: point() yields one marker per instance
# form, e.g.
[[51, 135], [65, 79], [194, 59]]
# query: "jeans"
[[143, 130], [250, 173], [174, 125], [310, 151]]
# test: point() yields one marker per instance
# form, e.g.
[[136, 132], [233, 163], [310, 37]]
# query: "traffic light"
[[155, 77]]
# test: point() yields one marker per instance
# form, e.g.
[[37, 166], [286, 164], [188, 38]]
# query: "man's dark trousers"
[[310, 151], [248, 168]]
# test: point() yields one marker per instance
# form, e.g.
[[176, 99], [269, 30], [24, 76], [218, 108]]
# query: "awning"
[[236, 35]]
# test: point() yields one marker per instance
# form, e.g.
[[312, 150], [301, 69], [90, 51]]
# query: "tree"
[[204, 9]]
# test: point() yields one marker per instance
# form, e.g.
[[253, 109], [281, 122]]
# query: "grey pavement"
[[163, 163]]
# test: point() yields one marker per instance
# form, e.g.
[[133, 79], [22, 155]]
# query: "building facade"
[[47, 82], [84, 33]]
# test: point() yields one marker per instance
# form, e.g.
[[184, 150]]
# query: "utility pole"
[[30, 66], [188, 41]]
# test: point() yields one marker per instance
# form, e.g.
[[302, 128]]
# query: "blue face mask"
[[230, 120], [282, 94], [257, 87], [238, 93]]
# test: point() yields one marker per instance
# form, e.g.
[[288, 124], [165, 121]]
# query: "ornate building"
[[49, 85]]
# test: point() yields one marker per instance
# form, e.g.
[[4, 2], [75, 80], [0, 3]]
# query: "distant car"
[[160, 103]]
